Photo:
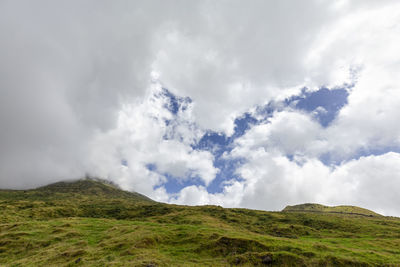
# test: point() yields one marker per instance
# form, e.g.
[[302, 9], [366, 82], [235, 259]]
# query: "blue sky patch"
[[175, 184], [324, 104], [175, 103], [227, 172]]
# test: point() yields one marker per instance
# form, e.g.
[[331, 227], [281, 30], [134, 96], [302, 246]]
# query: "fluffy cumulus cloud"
[[291, 132], [146, 145], [368, 38], [83, 91], [274, 181]]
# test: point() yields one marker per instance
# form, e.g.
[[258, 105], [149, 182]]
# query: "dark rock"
[[267, 259], [237, 261]]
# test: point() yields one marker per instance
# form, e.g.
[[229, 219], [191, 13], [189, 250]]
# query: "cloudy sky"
[[256, 104]]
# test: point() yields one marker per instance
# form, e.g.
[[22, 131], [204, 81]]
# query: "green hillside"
[[92, 223], [312, 207], [88, 188]]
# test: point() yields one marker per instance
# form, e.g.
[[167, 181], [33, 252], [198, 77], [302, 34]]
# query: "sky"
[[254, 104]]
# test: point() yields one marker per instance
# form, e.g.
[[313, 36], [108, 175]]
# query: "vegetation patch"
[[91, 223], [225, 246]]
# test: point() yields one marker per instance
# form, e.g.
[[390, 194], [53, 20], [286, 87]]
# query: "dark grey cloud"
[[66, 67]]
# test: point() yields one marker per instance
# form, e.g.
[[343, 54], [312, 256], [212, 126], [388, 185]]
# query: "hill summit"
[[89, 187], [343, 209]]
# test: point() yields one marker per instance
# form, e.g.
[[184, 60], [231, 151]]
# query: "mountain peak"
[[92, 187], [79, 185]]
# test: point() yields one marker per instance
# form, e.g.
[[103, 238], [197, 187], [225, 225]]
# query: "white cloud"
[[288, 131], [320, 110], [231, 196], [192, 195], [369, 39], [139, 139], [271, 182], [242, 55]]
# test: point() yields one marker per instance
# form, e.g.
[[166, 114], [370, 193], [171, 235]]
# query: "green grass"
[[89, 223], [312, 207]]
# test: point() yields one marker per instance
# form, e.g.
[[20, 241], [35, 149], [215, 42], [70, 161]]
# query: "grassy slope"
[[97, 224], [312, 207]]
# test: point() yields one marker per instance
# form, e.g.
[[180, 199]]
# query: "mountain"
[[91, 222], [89, 187], [313, 207], [79, 198], [82, 190]]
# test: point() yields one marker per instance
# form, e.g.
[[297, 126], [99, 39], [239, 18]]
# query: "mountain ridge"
[[341, 209]]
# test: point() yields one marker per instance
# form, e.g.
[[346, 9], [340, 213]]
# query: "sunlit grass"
[[99, 226]]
